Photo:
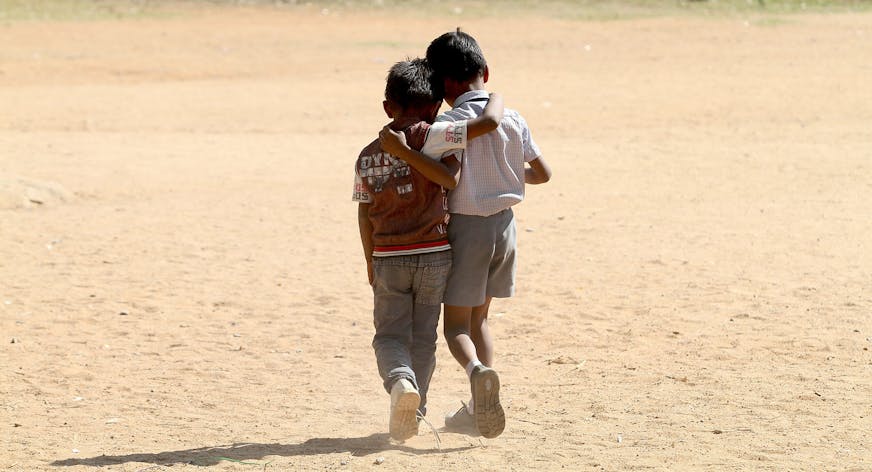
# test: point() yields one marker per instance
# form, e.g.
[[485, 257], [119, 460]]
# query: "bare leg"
[[490, 419], [457, 334], [468, 338], [480, 334]]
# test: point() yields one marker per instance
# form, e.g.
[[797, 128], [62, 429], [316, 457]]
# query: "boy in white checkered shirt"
[[482, 226]]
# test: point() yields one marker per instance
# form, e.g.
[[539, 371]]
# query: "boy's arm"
[[448, 175], [539, 171], [395, 144], [365, 227], [489, 119]]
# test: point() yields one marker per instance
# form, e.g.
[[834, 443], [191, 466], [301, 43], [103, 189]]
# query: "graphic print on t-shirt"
[[378, 169]]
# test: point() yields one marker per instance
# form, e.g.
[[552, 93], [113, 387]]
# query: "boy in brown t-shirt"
[[402, 216]]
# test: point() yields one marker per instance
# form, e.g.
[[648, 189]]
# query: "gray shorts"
[[484, 258]]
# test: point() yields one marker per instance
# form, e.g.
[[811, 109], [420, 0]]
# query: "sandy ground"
[[695, 284]]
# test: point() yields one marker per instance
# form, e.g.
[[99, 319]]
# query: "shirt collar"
[[472, 94]]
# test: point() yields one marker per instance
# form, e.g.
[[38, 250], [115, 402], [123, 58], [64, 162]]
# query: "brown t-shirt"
[[409, 213]]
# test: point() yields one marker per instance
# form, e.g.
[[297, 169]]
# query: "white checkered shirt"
[[492, 168]]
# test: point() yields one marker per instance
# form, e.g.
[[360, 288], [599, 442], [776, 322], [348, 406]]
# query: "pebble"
[[380, 461]]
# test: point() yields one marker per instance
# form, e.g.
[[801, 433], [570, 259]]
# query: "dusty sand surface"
[[695, 284]]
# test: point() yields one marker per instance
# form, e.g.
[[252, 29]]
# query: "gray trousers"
[[408, 296]]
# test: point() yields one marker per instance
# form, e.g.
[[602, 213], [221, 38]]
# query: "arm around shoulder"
[[539, 172], [489, 119], [395, 144]]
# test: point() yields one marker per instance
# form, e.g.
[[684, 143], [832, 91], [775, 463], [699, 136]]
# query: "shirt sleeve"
[[445, 117], [360, 194], [531, 149], [444, 136]]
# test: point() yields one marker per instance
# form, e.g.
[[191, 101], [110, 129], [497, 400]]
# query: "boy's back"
[[407, 210], [492, 175]]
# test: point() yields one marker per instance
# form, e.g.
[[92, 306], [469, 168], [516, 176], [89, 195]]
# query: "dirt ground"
[[695, 283]]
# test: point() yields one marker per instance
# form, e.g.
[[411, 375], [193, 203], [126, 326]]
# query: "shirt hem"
[[409, 250]]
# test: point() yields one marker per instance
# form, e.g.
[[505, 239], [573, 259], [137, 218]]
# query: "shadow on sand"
[[206, 456]]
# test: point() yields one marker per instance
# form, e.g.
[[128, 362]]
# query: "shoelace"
[[420, 417]]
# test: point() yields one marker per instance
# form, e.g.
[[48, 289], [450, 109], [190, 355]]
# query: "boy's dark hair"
[[410, 84], [456, 56]]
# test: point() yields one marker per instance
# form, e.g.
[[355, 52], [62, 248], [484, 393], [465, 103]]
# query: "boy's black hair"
[[456, 55], [410, 84]]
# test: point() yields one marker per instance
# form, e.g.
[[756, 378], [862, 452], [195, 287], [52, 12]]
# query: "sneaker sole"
[[404, 421], [490, 420]]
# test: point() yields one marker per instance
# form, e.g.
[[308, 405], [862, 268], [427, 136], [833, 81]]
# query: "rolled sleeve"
[[444, 136]]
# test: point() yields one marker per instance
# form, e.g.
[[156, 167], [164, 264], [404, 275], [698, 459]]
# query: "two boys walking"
[[417, 255]]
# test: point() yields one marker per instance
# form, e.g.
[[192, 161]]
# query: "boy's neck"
[[452, 95], [403, 121]]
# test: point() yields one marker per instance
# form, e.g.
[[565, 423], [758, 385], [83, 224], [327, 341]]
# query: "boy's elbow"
[[537, 174], [488, 122], [543, 170], [539, 179]]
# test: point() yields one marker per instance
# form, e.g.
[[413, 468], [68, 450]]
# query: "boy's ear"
[[447, 85], [387, 106], [452, 87], [486, 74]]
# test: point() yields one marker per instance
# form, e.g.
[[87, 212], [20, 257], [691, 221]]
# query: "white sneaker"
[[460, 421], [404, 409]]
